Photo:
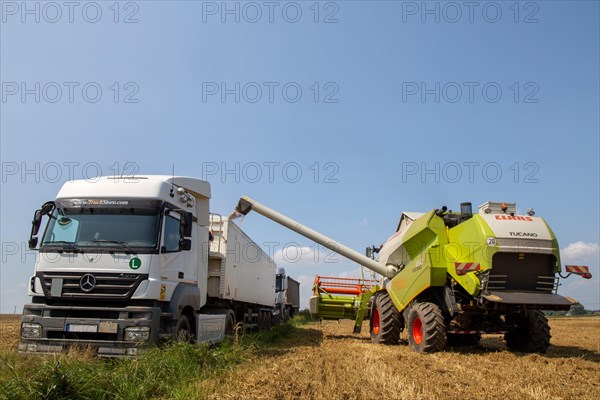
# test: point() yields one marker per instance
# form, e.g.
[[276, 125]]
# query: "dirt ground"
[[9, 332], [326, 361]]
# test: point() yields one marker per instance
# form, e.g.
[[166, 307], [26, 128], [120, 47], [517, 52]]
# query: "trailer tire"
[[386, 321], [426, 328], [528, 332]]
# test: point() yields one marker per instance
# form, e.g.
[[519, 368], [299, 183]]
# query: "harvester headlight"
[[487, 210], [137, 333], [31, 330], [530, 212]]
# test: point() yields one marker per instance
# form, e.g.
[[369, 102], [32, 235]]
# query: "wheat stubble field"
[[325, 361]]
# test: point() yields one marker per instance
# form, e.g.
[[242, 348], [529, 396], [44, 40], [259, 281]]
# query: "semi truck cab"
[[121, 262]]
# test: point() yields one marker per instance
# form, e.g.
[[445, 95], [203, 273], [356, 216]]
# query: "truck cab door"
[[178, 261]]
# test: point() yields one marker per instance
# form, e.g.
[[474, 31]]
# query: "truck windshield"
[[121, 228]]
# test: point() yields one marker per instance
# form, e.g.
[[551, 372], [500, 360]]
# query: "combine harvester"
[[448, 277]]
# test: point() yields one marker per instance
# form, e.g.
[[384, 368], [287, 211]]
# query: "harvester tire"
[[528, 332], [386, 320], [426, 328]]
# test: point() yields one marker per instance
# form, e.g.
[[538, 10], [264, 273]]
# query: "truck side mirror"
[[47, 207], [35, 228], [187, 223], [36, 223], [186, 244], [33, 243]]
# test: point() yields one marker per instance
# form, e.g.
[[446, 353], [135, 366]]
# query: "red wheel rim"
[[376, 321], [417, 330]]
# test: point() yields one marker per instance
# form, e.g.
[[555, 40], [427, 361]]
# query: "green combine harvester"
[[448, 277]]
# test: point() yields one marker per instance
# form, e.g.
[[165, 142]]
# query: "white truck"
[[124, 263], [287, 296]]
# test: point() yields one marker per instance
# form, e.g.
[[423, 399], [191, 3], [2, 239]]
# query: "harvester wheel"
[[528, 332], [386, 321], [426, 328]]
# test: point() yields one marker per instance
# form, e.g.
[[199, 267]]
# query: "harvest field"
[[316, 361]]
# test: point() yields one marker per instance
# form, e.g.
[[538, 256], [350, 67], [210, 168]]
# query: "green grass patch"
[[161, 372]]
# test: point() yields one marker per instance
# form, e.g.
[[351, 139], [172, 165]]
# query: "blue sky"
[[498, 102]]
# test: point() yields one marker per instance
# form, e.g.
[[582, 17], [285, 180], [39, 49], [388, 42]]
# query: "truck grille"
[[68, 285], [528, 272]]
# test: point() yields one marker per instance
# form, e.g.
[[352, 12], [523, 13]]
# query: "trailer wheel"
[[528, 332], [386, 321], [183, 329], [426, 328]]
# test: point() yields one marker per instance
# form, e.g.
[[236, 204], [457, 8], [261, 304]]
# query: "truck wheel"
[[183, 329], [229, 323], [386, 321], [528, 332], [426, 328]]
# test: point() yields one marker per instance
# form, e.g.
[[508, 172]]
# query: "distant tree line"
[[576, 309]]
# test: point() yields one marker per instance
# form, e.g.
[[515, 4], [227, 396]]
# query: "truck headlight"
[[31, 330], [137, 333]]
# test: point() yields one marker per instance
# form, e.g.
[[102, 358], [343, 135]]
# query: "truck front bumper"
[[101, 329]]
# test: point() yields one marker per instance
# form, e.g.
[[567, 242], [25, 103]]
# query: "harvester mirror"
[[369, 252]]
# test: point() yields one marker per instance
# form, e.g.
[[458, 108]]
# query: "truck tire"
[[426, 328], [229, 323], [528, 332], [386, 320], [183, 330]]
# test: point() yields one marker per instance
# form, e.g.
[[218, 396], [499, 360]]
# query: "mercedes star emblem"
[[87, 282]]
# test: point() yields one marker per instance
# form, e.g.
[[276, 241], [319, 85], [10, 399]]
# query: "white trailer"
[[125, 262], [240, 271]]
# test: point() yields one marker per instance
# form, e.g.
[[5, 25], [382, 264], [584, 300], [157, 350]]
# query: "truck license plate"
[[82, 328]]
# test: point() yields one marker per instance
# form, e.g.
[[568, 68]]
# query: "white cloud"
[[580, 252]]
